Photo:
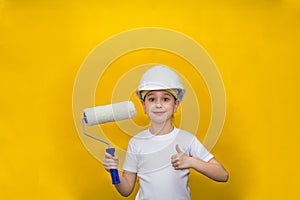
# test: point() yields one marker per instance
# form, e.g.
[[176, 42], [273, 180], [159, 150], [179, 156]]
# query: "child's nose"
[[158, 103]]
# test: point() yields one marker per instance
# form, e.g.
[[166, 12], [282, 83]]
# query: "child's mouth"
[[159, 112]]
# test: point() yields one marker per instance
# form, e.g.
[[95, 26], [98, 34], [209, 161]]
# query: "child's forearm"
[[212, 169], [126, 185]]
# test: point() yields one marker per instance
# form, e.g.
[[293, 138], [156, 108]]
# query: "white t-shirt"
[[150, 157]]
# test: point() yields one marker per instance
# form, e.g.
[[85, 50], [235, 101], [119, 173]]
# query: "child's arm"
[[127, 180], [212, 169]]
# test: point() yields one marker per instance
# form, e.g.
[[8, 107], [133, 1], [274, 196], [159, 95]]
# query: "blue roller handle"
[[113, 172]]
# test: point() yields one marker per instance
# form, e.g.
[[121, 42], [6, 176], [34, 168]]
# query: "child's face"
[[160, 106]]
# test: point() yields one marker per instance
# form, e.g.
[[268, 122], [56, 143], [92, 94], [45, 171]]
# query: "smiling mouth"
[[159, 112]]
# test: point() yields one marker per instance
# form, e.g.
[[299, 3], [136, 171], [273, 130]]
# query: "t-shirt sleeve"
[[130, 163], [199, 151]]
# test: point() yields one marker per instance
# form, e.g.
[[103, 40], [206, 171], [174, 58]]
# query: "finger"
[[107, 155], [173, 161], [176, 166], [108, 168], [114, 166], [110, 161], [115, 158], [178, 149], [110, 164], [174, 157]]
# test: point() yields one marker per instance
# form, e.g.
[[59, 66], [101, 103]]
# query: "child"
[[162, 155]]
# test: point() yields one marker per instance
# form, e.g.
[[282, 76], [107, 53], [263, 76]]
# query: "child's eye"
[[166, 99], [151, 99]]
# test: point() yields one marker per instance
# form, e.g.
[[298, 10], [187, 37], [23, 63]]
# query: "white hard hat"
[[161, 78]]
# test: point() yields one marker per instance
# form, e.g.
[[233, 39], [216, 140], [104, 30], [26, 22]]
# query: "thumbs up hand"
[[180, 160]]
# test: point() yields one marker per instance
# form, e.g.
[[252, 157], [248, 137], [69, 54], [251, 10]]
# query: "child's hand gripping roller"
[[108, 113]]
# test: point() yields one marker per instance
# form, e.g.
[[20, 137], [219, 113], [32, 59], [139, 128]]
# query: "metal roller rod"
[[95, 138]]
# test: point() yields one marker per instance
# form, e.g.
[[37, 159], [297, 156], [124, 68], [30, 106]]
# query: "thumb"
[[178, 149]]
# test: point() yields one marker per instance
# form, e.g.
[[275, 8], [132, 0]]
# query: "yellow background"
[[255, 45]]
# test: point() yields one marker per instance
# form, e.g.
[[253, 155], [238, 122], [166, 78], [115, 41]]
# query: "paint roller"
[[108, 113]]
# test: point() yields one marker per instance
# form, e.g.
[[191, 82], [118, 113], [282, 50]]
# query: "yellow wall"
[[255, 45]]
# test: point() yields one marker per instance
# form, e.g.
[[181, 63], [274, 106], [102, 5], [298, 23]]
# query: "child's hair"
[[173, 92]]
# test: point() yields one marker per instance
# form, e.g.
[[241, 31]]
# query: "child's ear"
[[177, 103], [144, 105]]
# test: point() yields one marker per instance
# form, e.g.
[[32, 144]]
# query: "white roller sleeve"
[[109, 113]]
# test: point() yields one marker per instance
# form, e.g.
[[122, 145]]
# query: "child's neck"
[[161, 129]]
